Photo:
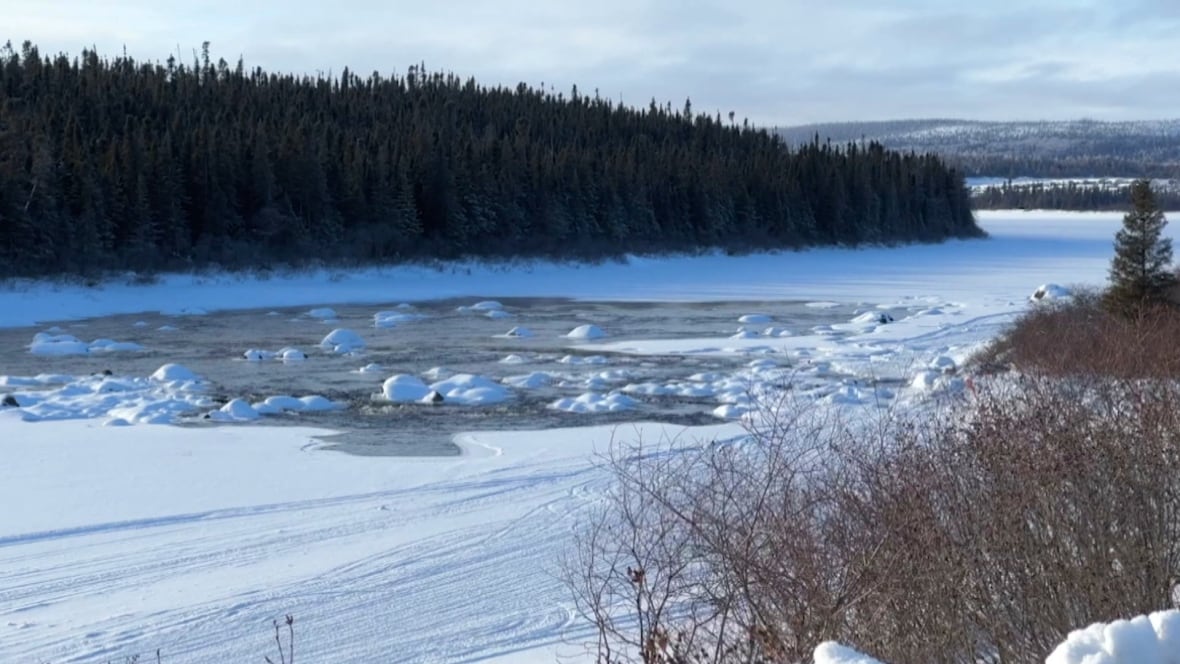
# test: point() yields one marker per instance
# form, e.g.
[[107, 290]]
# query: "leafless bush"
[[1039, 506], [1080, 337]]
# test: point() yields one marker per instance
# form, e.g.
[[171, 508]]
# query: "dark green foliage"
[[1064, 196], [113, 164], [1139, 272]]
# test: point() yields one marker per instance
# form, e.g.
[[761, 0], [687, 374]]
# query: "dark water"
[[459, 342]]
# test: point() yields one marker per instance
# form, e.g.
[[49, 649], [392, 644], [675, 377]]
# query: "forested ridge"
[[113, 164], [1049, 149]]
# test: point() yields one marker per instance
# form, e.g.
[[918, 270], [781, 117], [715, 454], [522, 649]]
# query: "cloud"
[[776, 62]]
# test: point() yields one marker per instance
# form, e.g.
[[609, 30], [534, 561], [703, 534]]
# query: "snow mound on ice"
[[323, 313], [171, 373], [586, 332], [1046, 292], [593, 402], [342, 341], [512, 359], [237, 410], [372, 367], [282, 403], [1151, 639], [471, 390], [498, 314], [830, 652], [481, 307], [761, 319], [578, 359], [518, 333], [49, 344], [529, 381], [393, 318], [404, 387]]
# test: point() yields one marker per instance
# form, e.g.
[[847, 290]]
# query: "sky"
[[777, 63]]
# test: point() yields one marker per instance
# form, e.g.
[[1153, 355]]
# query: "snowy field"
[[116, 541]]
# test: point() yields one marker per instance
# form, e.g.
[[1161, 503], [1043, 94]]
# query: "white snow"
[[119, 540], [342, 341], [471, 390], [586, 332], [1150, 639], [593, 402], [830, 652], [1049, 292], [323, 313], [404, 387], [750, 319], [46, 343], [518, 332]]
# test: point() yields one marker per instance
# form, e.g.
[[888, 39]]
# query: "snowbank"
[[1152, 639], [831, 652]]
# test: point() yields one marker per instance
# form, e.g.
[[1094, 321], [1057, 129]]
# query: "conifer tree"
[[1139, 271]]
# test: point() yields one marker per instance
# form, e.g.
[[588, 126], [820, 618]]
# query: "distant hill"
[[1075, 148]]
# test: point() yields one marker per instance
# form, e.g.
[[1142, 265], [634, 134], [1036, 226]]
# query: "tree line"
[[1067, 196], [113, 164]]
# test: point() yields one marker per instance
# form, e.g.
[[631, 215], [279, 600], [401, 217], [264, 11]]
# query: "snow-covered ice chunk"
[[774, 331], [830, 652], [170, 373], [498, 314], [394, 318], [593, 402], [586, 332], [237, 410], [372, 367], [323, 313], [529, 381], [404, 387], [512, 359], [1151, 639], [314, 403], [1046, 292], [878, 317], [111, 346], [471, 390], [277, 404], [743, 333], [438, 373], [518, 333], [167, 328], [291, 355], [45, 343], [342, 341], [479, 307], [579, 359], [750, 319], [258, 355]]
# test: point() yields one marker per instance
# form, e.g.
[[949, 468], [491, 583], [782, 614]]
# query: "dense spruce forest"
[[110, 164]]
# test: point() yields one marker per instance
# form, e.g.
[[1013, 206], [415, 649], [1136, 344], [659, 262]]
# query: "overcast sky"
[[776, 62]]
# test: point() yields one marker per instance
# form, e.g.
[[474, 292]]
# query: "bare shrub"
[[1081, 337], [985, 533]]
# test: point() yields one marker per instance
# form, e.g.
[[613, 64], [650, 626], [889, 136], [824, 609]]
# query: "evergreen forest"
[[112, 164]]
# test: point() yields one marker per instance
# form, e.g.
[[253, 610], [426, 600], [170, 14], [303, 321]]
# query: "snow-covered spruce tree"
[[1139, 272]]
